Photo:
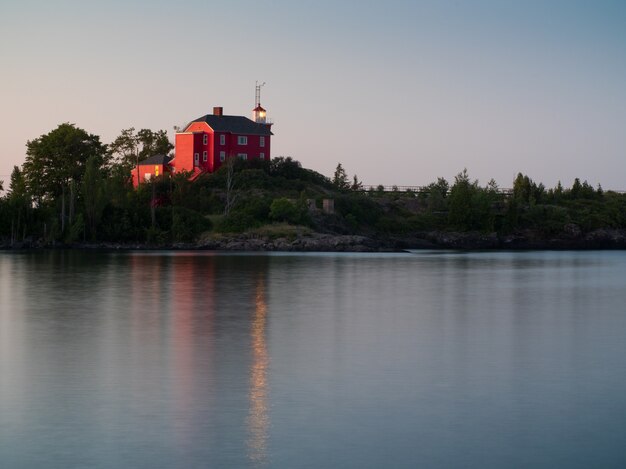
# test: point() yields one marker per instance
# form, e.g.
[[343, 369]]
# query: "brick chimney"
[[218, 111]]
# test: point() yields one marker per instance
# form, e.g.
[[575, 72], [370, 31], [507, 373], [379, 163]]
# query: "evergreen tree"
[[356, 184], [340, 179]]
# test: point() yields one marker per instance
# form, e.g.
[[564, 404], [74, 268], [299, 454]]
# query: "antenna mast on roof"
[[257, 94]]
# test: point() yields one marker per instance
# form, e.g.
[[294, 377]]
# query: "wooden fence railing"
[[425, 190]]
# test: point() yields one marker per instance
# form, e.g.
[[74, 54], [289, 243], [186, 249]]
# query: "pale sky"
[[400, 92]]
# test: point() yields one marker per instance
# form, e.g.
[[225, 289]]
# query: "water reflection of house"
[[258, 418], [211, 334]]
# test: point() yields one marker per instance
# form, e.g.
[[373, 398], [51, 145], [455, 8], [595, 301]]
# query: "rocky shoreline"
[[572, 238]]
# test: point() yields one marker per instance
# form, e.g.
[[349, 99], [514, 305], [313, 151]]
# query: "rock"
[[572, 230]]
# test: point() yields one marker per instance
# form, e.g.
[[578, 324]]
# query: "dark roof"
[[234, 124], [156, 159]]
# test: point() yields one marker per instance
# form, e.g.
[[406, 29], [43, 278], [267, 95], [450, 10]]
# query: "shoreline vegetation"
[[75, 192]]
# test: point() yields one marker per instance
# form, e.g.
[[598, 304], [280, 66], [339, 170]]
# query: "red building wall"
[[184, 152], [252, 149], [191, 142], [153, 170]]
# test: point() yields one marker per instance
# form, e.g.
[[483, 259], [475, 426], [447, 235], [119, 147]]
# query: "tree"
[[58, 157], [130, 148], [93, 195], [153, 143], [356, 184], [125, 149], [525, 191], [460, 201], [576, 189], [18, 202], [283, 209], [437, 193], [285, 166], [340, 179], [470, 204]]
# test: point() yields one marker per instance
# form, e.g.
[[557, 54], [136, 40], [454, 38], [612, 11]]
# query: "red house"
[[155, 166], [207, 142]]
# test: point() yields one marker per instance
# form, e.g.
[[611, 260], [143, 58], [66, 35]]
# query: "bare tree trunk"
[[63, 210], [152, 205], [231, 196], [71, 202]]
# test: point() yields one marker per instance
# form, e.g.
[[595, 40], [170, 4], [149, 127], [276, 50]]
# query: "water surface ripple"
[[429, 359]]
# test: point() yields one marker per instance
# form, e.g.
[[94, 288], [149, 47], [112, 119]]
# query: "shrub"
[[283, 209]]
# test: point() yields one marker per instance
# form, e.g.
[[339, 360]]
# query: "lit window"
[[204, 156], [262, 156], [205, 140], [147, 176], [222, 139], [242, 140], [261, 141], [243, 156], [222, 155], [196, 158]]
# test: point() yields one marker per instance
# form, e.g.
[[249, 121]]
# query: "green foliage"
[[286, 167], [340, 178], [460, 201], [285, 210], [356, 184], [67, 170], [548, 219], [156, 236], [94, 196], [360, 210], [470, 207], [235, 222], [129, 147], [18, 204], [254, 179], [186, 224], [290, 170], [58, 157], [256, 207], [525, 191], [437, 193], [77, 230]]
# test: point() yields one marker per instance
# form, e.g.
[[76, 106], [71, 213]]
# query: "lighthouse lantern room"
[[258, 113]]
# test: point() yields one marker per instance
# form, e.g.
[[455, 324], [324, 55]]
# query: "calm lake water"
[[431, 359]]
